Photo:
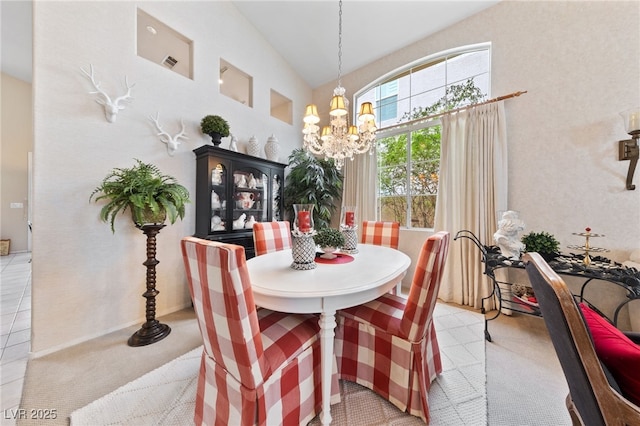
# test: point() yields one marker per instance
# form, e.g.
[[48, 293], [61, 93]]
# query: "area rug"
[[166, 396]]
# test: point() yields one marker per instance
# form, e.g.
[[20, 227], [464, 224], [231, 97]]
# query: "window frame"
[[410, 127]]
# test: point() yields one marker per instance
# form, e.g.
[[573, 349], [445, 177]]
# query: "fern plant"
[[145, 190]]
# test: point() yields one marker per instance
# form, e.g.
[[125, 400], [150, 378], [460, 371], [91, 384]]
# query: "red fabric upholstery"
[[616, 351], [258, 366], [389, 344], [271, 236], [385, 234], [381, 233]]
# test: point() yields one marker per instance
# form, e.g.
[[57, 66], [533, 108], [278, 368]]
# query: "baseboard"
[[141, 320]]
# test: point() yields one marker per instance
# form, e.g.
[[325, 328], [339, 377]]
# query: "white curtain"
[[471, 190], [360, 186]]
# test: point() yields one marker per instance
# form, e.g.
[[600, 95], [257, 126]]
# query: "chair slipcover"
[[389, 344], [385, 234], [271, 236], [381, 233], [258, 366]]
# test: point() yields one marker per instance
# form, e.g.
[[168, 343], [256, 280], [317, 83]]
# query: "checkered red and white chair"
[[258, 367], [381, 233], [271, 236], [389, 344]]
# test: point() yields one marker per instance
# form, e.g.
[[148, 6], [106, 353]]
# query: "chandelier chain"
[[339, 140], [340, 45]]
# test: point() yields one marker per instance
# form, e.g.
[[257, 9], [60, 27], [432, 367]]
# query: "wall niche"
[[163, 45], [236, 84], [281, 107]]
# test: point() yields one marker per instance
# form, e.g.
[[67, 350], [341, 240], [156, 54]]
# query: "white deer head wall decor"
[[111, 108], [172, 142]]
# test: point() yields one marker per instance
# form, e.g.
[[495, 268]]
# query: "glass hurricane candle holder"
[[348, 217], [348, 226], [303, 218]]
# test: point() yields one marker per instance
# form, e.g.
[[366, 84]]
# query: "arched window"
[[408, 141]]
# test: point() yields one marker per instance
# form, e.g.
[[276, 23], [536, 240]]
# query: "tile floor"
[[15, 320]]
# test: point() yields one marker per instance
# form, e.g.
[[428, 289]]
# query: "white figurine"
[[506, 237], [217, 224], [249, 224], [239, 222], [241, 180], [253, 183], [215, 200], [216, 176], [233, 144]]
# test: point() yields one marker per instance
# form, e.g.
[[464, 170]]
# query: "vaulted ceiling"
[[305, 33]]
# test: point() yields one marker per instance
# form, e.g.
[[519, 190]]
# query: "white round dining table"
[[374, 271]]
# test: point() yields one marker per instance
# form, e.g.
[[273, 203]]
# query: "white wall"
[[580, 63], [86, 280]]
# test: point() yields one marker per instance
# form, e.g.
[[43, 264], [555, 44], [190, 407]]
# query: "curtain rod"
[[430, 117]]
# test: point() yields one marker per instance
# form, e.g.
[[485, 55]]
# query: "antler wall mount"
[[111, 107], [172, 142]]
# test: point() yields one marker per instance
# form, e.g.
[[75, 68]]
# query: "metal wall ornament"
[[111, 107], [172, 142], [628, 149]]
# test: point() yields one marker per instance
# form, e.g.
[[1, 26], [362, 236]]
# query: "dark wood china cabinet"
[[233, 191]]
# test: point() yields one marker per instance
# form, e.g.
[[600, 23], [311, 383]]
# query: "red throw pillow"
[[617, 352]]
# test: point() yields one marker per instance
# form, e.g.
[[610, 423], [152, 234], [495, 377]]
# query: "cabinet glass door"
[[219, 177], [249, 197], [276, 196]]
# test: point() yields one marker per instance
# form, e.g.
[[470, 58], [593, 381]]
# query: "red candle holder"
[[303, 219], [348, 217]]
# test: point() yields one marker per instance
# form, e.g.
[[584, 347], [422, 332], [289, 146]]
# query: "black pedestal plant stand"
[[151, 331]]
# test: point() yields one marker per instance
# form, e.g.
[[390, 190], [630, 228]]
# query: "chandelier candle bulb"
[[634, 122]]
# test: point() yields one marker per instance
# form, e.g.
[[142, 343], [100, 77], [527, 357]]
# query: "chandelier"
[[339, 140]]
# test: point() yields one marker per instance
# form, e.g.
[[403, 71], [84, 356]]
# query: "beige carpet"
[[166, 396], [525, 385]]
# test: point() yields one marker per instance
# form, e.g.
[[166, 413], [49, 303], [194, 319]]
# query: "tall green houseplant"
[[313, 181], [145, 190]]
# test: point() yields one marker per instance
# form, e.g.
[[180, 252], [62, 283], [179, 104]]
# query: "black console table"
[[599, 268]]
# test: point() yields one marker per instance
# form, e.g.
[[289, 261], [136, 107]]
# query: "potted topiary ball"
[[216, 127], [329, 240], [543, 243]]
